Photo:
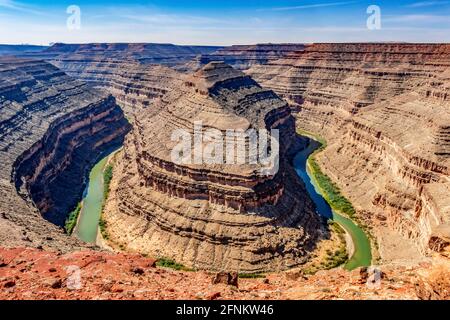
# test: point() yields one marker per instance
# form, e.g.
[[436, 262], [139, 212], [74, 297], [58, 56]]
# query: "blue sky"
[[223, 22]]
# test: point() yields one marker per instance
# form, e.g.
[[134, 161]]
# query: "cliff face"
[[384, 109], [210, 215], [144, 53], [52, 129], [134, 73], [242, 57], [135, 86]]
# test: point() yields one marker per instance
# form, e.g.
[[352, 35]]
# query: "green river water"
[[362, 255], [87, 226]]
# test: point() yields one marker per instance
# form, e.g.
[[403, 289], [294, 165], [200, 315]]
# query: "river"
[[87, 225], [362, 255]]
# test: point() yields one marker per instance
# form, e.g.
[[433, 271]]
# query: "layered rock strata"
[[143, 53], [135, 86], [124, 70], [211, 215], [384, 109], [52, 129], [243, 57]]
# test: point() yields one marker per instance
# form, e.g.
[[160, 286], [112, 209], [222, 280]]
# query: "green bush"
[[107, 177], [330, 190], [168, 263], [71, 220]]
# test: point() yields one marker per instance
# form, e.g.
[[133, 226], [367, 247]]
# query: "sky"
[[227, 22]]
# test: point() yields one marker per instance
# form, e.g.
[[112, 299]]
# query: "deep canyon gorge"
[[383, 110]]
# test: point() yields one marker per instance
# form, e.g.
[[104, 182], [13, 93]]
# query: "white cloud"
[[309, 6], [418, 18], [17, 6], [427, 4]]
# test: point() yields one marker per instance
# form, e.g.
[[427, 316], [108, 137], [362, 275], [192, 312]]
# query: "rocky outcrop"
[[33, 274], [52, 129], [212, 214], [384, 110]]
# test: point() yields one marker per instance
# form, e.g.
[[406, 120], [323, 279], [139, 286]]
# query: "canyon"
[[383, 110], [53, 128], [213, 214]]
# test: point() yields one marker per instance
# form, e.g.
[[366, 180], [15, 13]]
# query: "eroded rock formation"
[[52, 129], [384, 109], [242, 57], [135, 86], [211, 215]]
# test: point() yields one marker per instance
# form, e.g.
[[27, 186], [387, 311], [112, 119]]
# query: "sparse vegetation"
[[107, 177], [330, 191], [71, 220], [332, 258], [169, 263], [102, 227]]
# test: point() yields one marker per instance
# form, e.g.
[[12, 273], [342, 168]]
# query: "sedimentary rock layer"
[[144, 53], [384, 109], [124, 70], [135, 86], [242, 57], [208, 214], [52, 129]]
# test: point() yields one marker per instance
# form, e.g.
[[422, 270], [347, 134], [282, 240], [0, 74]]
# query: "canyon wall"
[[384, 110], [143, 53], [212, 215], [137, 74], [242, 57], [133, 85], [52, 129]]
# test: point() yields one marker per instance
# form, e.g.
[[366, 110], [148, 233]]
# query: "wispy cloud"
[[171, 19], [17, 6], [310, 6], [418, 18], [427, 4]]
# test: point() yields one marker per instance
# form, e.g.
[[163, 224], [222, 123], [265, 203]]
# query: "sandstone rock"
[[383, 109], [101, 281], [54, 283], [46, 147], [294, 275], [137, 270], [213, 296], [228, 278], [434, 284], [213, 215], [9, 283]]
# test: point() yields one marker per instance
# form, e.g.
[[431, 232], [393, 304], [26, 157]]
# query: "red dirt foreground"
[[37, 274]]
